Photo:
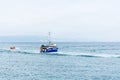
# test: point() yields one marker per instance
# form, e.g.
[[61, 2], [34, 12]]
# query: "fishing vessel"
[[51, 47]]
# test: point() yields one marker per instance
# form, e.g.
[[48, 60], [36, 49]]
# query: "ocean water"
[[74, 61]]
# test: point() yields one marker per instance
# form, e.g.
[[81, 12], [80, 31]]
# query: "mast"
[[49, 38]]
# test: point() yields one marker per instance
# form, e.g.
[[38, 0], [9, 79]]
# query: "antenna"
[[49, 37]]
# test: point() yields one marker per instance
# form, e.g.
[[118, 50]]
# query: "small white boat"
[[12, 48]]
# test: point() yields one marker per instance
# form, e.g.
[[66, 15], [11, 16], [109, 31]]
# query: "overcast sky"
[[81, 20]]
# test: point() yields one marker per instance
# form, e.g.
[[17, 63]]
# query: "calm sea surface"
[[74, 61]]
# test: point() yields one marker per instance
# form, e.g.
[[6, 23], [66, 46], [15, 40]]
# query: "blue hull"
[[52, 50]]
